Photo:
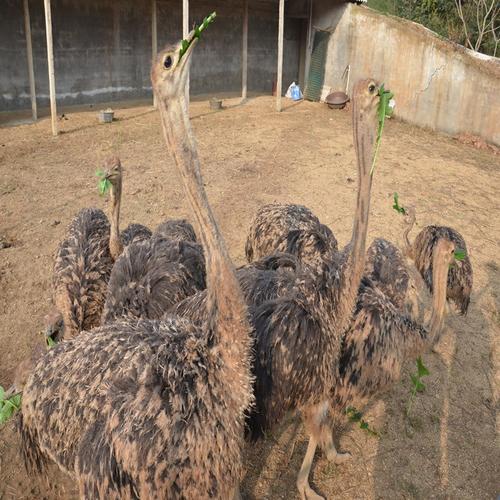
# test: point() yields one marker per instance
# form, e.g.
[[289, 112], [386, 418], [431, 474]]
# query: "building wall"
[[102, 49], [437, 84]]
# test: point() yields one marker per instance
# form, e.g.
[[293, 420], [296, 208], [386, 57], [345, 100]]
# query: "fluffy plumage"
[[460, 277], [151, 276], [260, 281], [121, 408], [81, 272], [176, 229], [289, 228], [152, 409]]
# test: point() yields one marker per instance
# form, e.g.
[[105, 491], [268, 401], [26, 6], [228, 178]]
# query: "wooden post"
[[50, 62], [244, 54], [154, 38], [29, 50], [185, 32], [279, 82]]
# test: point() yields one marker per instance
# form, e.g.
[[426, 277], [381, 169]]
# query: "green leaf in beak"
[[460, 254], [383, 111], [197, 33], [50, 342], [104, 186]]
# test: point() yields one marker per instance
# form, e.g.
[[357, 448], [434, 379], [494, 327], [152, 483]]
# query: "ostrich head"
[[366, 100], [113, 170], [54, 325], [170, 71]]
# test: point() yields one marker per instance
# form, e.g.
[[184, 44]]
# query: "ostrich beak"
[[11, 391], [192, 40]]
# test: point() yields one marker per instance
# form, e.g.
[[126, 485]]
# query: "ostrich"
[[298, 335], [84, 260], [289, 228], [134, 232], [153, 275], [177, 229], [147, 408], [460, 277], [262, 280], [380, 339]]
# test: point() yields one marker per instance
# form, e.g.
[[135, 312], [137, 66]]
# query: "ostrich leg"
[[318, 427]]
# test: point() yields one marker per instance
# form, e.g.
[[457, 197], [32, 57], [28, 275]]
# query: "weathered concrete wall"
[[437, 83], [102, 49]]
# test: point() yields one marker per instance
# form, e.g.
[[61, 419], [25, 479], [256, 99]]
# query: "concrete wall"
[[102, 49], [437, 83]]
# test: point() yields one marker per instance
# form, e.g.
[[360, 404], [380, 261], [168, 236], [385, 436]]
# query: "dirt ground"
[[252, 155]]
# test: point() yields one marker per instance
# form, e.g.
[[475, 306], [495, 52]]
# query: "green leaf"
[[16, 401], [104, 186], [197, 33], [100, 173], [460, 254], [396, 206], [420, 386], [2, 392], [383, 111], [363, 425], [422, 369], [415, 381], [50, 342]]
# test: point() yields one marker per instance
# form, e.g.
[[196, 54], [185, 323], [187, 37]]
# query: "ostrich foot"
[[332, 455], [307, 493]]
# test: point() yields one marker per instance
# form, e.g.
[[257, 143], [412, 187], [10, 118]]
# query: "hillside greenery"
[[472, 23]]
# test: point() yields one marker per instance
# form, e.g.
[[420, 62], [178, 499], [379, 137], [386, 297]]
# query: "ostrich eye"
[[167, 62], [371, 88]]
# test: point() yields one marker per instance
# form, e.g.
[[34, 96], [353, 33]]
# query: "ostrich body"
[[147, 408], [262, 280], [151, 276], [84, 260], [289, 228], [176, 229], [380, 339], [81, 273], [460, 277]]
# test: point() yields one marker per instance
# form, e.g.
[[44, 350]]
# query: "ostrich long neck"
[[227, 311], [440, 267], [352, 269], [115, 242], [409, 227]]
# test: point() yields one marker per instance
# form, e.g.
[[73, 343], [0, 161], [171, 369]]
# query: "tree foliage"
[[472, 23]]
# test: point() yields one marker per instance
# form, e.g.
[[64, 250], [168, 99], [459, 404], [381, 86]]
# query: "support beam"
[[244, 53], [154, 37], [279, 82], [185, 33], [50, 61], [29, 51]]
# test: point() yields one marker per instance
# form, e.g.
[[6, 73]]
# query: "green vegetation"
[[104, 183], [472, 23], [197, 32], [385, 110], [416, 382], [355, 415], [399, 209], [8, 406]]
